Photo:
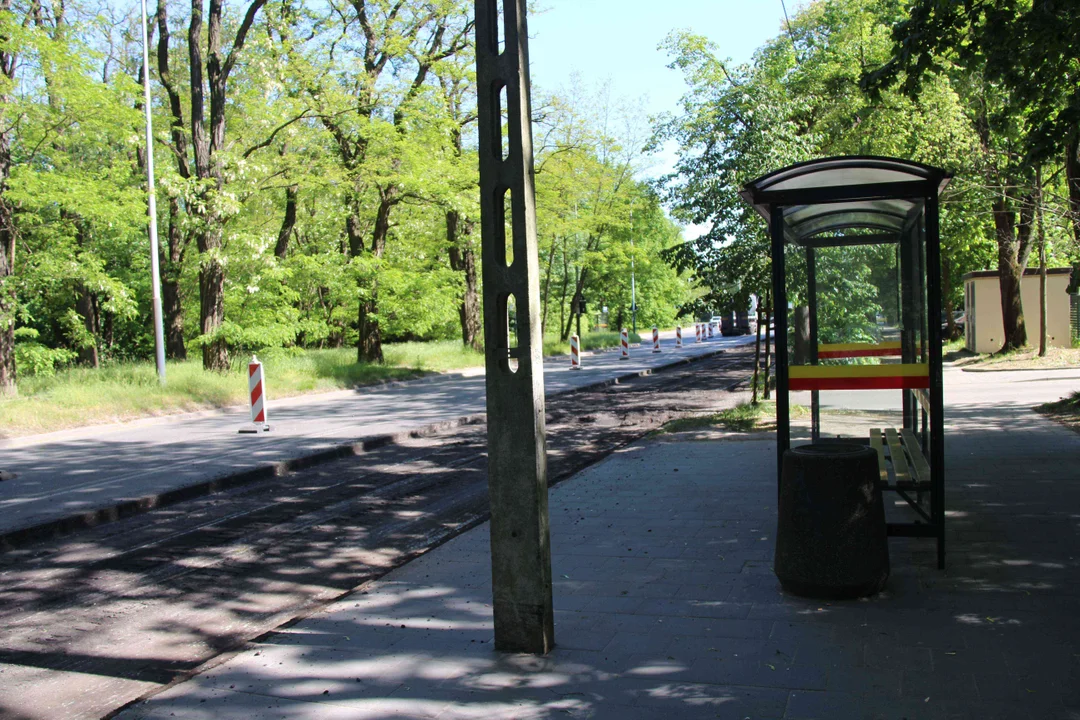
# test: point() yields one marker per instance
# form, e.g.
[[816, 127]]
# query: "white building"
[[984, 329]]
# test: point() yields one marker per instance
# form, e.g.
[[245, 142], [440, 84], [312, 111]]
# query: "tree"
[[207, 143], [364, 95], [1019, 58], [9, 58]]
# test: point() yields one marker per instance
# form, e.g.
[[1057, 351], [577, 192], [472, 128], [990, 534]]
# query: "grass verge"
[[590, 341], [1023, 359], [118, 392], [1066, 411], [744, 418]]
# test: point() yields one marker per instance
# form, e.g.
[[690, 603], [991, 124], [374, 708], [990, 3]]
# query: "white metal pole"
[[155, 270]]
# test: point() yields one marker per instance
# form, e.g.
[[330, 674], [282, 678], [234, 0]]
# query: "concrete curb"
[[993, 370], [85, 520]]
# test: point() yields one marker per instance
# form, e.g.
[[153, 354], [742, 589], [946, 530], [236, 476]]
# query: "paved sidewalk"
[[666, 605], [78, 471]]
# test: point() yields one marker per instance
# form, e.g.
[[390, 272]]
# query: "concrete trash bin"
[[831, 538]]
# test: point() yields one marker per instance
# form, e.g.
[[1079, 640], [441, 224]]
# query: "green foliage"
[[34, 359]]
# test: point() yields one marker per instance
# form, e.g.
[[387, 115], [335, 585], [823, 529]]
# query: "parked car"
[[959, 320]]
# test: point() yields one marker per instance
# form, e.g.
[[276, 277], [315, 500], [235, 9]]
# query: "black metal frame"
[[918, 251]]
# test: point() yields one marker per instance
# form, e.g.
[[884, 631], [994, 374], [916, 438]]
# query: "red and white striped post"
[[257, 391], [697, 332], [655, 340], [575, 352], [624, 338], [710, 329], [678, 336]]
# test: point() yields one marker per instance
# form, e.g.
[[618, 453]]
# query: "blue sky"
[[616, 41]]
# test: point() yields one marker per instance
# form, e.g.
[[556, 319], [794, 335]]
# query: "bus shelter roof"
[[833, 195]]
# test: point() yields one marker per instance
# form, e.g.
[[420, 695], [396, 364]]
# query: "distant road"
[[71, 472]]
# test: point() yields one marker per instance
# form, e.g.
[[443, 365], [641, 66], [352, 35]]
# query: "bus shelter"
[[856, 273]]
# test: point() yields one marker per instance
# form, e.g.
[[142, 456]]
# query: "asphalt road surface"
[[77, 471], [91, 622]]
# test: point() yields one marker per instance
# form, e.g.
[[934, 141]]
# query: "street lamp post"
[[155, 270]]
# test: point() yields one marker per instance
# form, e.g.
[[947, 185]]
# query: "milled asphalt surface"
[[666, 605], [65, 474]]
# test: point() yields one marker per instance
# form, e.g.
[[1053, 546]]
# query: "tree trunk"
[[86, 302], [8, 63], [1072, 178], [757, 361], [7, 284], [951, 331], [575, 303], [459, 238], [1042, 261], [208, 141], [212, 302], [768, 345], [547, 286], [369, 341], [1013, 244], [288, 223], [172, 260], [86, 306]]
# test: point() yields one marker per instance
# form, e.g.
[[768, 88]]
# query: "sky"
[[616, 41]]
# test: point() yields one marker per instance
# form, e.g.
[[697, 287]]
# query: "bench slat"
[[896, 454], [920, 468], [875, 442]]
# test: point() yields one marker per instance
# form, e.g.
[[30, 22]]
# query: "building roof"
[[1028, 272]]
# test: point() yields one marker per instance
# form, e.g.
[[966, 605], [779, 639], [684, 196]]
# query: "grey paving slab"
[[76, 471], [996, 635]]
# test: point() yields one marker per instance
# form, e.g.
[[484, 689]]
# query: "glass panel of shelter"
[[859, 342]]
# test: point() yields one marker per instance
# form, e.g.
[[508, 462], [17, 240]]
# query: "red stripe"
[[261, 417], [895, 382], [256, 393], [252, 368], [875, 352]]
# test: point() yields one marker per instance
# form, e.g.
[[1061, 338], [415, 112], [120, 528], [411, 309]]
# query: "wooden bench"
[[910, 470]]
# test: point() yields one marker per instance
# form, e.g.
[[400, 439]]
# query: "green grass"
[[115, 392], [125, 391], [589, 341], [741, 418], [1066, 410]]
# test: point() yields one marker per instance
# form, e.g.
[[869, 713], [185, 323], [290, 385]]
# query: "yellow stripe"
[[859, 371], [836, 347]]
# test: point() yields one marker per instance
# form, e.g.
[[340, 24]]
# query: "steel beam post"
[[517, 453], [780, 318], [811, 294], [937, 399]]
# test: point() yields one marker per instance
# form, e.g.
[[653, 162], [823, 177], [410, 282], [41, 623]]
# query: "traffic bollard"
[[257, 391]]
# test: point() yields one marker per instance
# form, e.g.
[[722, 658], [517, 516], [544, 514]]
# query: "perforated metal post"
[[517, 457]]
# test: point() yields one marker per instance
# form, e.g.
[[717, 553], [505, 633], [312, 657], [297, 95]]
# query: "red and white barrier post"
[[655, 340], [257, 391], [575, 352], [624, 338], [697, 332], [678, 336], [710, 330]]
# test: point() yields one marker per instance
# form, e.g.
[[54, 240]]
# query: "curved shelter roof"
[[823, 197]]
